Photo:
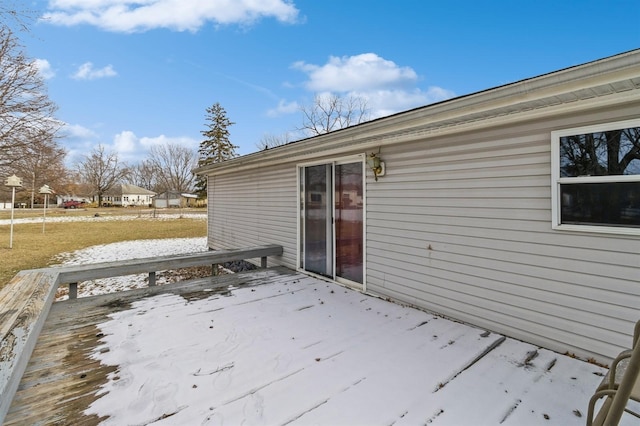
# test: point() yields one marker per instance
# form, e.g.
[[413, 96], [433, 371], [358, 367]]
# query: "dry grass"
[[33, 249]]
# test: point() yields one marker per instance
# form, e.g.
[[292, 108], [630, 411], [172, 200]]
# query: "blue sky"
[[129, 74]]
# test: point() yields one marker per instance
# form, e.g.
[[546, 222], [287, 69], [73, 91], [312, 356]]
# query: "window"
[[596, 178]]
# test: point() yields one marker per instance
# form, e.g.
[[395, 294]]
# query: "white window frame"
[[556, 180]]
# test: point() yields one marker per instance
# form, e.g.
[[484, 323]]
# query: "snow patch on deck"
[[297, 350]]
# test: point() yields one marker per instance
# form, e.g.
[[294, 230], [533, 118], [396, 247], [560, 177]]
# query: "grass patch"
[[33, 249]]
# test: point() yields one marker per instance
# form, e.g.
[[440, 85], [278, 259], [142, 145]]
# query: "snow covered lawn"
[[106, 218], [126, 250]]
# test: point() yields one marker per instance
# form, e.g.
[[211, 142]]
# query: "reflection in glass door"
[[332, 221], [317, 249], [349, 221]]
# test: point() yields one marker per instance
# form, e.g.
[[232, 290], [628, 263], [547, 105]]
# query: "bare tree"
[[270, 140], [172, 165], [26, 112], [12, 15], [101, 170], [42, 162], [73, 185], [330, 112], [615, 152], [144, 175]]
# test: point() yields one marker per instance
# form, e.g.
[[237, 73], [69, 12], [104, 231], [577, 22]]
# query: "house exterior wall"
[[461, 226], [61, 198], [162, 203], [461, 223], [127, 200], [169, 199], [258, 208]]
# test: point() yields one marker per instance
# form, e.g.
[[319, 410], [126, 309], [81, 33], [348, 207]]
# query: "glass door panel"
[[349, 221], [317, 226], [332, 220]]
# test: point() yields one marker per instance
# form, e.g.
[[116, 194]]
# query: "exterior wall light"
[[376, 164]]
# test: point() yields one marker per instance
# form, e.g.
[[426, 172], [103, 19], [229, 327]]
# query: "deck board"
[[61, 380], [319, 349]]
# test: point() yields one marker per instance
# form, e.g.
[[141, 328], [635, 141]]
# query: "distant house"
[[174, 199], [503, 208], [61, 198], [127, 195]]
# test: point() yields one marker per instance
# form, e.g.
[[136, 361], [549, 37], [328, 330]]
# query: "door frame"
[[333, 161]]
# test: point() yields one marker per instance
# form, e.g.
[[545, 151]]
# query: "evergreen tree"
[[216, 147]]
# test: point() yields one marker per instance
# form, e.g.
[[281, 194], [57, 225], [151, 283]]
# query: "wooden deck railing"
[[25, 301]]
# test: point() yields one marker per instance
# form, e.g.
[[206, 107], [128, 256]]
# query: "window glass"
[[604, 204], [597, 178], [614, 152]]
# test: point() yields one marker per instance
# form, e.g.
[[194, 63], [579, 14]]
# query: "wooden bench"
[[25, 301], [621, 384], [74, 274], [24, 305]]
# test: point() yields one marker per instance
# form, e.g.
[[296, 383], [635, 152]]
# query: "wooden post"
[[263, 262], [214, 269], [152, 279], [73, 290]]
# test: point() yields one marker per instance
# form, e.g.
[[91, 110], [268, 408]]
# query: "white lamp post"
[[46, 191], [13, 182]]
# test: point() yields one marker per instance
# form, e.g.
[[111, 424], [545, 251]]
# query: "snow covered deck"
[[278, 347]]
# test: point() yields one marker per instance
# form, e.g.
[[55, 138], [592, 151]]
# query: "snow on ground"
[[106, 218], [169, 373], [303, 351], [127, 250], [121, 251]]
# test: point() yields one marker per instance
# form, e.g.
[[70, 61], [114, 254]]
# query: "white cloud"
[[148, 142], [133, 149], [386, 102], [367, 71], [125, 142], [78, 141], [283, 108], [179, 15], [44, 68], [77, 131], [387, 87], [87, 72]]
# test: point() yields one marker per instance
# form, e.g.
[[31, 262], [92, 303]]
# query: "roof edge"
[[544, 86]]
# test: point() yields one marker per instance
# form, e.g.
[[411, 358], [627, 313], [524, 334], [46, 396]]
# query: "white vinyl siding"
[[462, 226], [254, 208], [461, 223]]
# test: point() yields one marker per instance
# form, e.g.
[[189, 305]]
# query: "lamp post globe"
[[46, 191]]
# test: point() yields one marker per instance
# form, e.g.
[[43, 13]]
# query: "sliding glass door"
[[332, 220], [318, 251], [349, 221]]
